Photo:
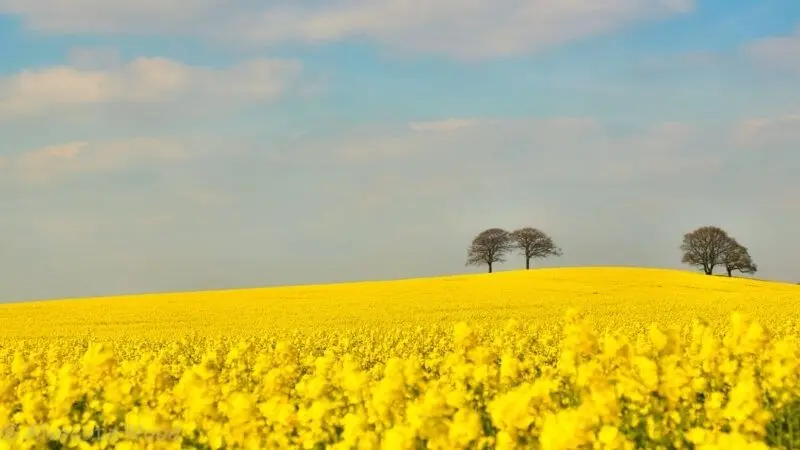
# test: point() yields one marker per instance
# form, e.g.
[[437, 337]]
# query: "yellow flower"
[[647, 371]]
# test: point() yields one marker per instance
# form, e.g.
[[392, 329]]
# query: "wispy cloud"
[[461, 29], [763, 55], [778, 52], [144, 80], [54, 163]]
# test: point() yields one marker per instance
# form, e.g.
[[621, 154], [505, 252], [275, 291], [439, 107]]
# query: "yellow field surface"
[[613, 297], [606, 358]]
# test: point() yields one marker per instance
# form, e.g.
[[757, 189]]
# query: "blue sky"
[[182, 145]]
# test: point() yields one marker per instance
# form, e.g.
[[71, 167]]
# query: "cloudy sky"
[[159, 145]]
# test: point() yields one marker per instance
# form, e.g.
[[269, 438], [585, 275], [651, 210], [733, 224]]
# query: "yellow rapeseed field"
[[550, 358]]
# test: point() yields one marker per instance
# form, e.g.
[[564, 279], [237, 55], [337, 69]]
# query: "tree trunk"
[[527, 263], [490, 267], [729, 271]]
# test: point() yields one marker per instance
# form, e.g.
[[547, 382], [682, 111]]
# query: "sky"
[[171, 145]]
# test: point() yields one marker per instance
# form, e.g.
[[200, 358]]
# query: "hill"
[[612, 296], [384, 365]]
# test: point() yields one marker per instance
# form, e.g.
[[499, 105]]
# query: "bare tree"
[[738, 258], [533, 243], [489, 247], [706, 247]]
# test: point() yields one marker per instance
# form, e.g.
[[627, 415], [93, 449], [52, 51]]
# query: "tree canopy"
[[710, 246], [738, 258], [489, 247], [533, 243]]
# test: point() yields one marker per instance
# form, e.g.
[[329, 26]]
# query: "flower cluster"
[[513, 386]]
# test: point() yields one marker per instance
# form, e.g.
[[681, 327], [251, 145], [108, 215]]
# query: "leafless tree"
[[706, 247], [489, 247], [533, 243], [738, 258]]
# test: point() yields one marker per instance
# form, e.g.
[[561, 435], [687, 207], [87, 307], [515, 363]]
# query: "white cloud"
[[56, 162], [99, 16], [777, 52], [464, 29], [143, 80]]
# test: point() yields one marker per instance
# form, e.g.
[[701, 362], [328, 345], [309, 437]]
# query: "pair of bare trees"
[[708, 247], [492, 245]]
